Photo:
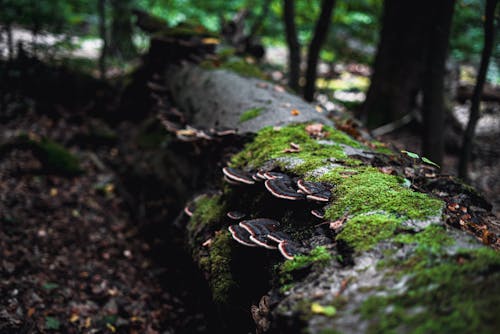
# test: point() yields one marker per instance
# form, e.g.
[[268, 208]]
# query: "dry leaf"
[[295, 112]]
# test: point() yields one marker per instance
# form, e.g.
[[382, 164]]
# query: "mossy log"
[[401, 248]]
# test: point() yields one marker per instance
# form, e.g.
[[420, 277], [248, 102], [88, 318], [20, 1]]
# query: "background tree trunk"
[[489, 32], [433, 81], [101, 9], [398, 63], [120, 44], [320, 33], [293, 45]]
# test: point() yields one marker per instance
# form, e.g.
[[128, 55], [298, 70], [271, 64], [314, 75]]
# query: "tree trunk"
[[489, 32], [433, 81], [101, 9], [399, 62], [10, 41], [120, 44], [293, 45], [320, 33]]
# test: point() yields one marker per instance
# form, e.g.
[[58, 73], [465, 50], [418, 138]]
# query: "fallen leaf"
[[210, 40], [279, 89], [295, 112], [329, 310], [74, 318]]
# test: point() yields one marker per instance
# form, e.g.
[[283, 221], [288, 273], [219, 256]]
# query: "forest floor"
[[72, 256]]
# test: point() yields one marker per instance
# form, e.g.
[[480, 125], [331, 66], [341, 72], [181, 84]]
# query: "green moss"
[[442, 297], [236, 65], [243, 68], [370, 190], [318, 255], [270, 144], [58, 159], [250, 114], [362, 232], [208, 212], [433, 239], [221, 279]]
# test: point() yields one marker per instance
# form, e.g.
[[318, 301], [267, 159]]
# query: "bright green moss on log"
[[251, 114], [364, 231], [271, 142], [449, 294], [209, 211], [221, 279], [216, 263], [369, 190]]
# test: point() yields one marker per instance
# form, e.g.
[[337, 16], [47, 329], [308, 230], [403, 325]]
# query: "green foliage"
[[318, 255]]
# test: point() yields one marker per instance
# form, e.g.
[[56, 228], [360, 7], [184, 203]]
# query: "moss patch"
[[370, 190], [209, 211], [236, 65], [58, 159], [362, 232], [251, 114], [319, 256], [443, 297], [219, 267], [270, 144]]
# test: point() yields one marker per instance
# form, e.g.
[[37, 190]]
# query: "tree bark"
[[320, 33], [292, 40], [399, 62], [101, 9], [120, 44], [489, 32], [433, 81]]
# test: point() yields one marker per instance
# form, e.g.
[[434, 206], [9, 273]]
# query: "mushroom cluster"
[[265, 232]]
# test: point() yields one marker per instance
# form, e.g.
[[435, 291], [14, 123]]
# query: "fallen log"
[[388, 252], [315, 227]]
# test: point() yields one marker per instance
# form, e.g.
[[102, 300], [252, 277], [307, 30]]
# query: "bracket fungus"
[[265, 232], [237, 176]]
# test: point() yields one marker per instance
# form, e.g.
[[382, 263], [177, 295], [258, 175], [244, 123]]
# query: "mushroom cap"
[[263, 241], [310, 187], [283, 189], [259, 226], [318, 213], [276, 175], [289, 249], [235, 215], [261, 175], [241, 235], [238, 175], [320, 197], [189, 208], [278, 236]]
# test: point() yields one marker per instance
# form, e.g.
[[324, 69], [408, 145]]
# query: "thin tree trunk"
[[293, 45], [103, 34], [399, 62], [10, 41], [320, 33], [120, 43], [433, 81], [489, 32]]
